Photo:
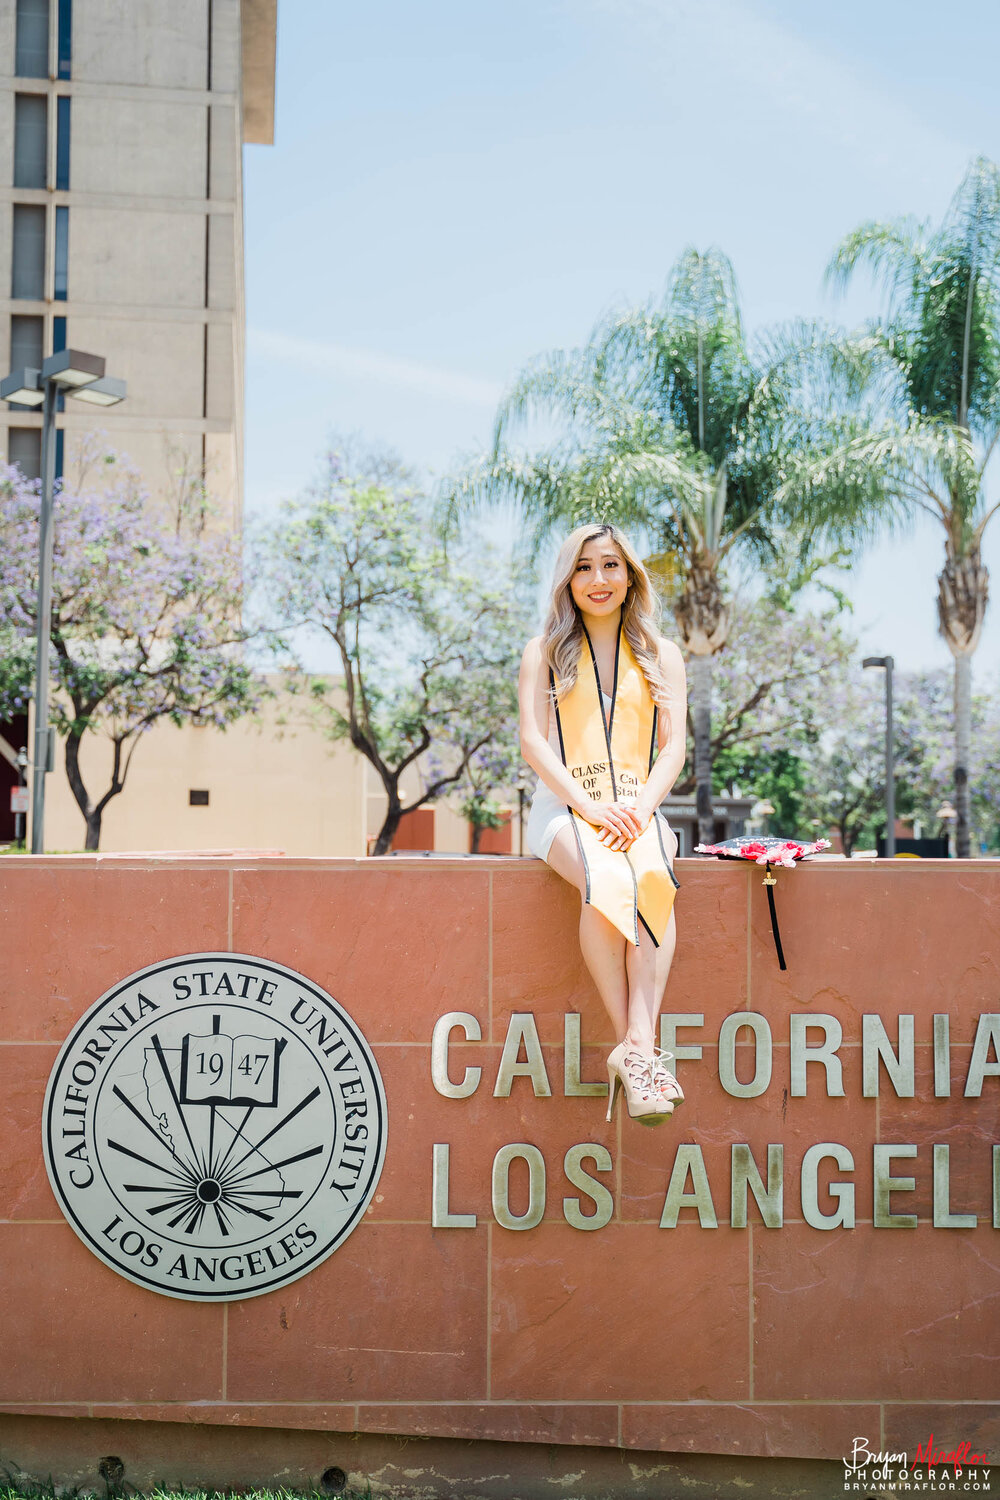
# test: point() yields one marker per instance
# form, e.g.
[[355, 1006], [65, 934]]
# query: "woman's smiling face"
[[600, 578]]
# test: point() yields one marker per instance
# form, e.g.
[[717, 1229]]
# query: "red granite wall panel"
[[670, 1322]]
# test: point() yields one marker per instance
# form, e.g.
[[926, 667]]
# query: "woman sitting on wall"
[[603, 722]]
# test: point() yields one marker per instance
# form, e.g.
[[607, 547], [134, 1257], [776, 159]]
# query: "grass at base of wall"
[[14, 849], [51, 1491]]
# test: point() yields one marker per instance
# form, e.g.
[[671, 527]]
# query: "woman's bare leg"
[[603, 949], [601, 944], [648, 969]]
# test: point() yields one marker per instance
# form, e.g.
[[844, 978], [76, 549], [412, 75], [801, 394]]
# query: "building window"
[[197, 797], [28, 261], [62, 143], [65, 41], [24, 448], [27, 336], [60, 453], [31, 49], [59, 289], [31, 141], [58, 343]]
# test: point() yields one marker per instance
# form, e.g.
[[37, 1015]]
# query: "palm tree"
[[939, 344], [669, 421]]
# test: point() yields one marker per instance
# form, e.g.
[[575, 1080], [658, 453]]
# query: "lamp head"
[[106, 392], [72, 367], [23, 386]]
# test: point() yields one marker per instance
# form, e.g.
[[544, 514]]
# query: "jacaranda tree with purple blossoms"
[[427, 640], [17, 663], [145, 620]]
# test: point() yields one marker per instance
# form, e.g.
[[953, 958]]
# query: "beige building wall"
[[161, 98], [273, 782]]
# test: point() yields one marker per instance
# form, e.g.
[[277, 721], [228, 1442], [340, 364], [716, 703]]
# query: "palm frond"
[[870, 479], [895, 252], [810, 365], [702, 289], [562, 386], [973, 218], [716, 510], [695, 376]]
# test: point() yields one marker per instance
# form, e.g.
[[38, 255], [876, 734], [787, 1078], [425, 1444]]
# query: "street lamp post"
[[948, 816], [82, 376], [21, 819], [890, 768]]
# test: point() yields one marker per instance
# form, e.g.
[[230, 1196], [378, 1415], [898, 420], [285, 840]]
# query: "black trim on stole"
[[583, 856], [635, 901], [666, 861], [555, 705], [659, 834], [645, 924], [607, 719], [600, 700], [562, 752], [614, 686]]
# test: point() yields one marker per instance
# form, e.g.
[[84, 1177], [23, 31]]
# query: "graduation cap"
[[767, 852]]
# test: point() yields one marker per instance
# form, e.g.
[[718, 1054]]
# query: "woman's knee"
[[564, 857]]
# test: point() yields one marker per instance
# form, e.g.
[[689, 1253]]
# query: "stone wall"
[[682, 1323]]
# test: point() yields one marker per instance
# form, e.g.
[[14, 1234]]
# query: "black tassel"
[[770, 881]]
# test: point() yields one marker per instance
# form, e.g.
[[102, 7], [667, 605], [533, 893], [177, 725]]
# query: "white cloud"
[[344, 363]]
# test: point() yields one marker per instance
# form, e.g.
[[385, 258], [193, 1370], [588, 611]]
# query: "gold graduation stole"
[[609, 752]]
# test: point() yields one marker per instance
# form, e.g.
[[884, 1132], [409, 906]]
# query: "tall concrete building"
[[121, 132]]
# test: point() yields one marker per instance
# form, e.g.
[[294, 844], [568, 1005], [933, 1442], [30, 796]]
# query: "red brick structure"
[[785, 1341]]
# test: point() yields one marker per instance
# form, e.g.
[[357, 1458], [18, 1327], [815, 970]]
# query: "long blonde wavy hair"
[[562, 635]]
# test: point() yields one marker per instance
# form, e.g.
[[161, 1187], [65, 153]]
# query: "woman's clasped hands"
[[619, 823]]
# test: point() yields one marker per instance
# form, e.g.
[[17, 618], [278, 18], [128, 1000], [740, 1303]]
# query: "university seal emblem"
[[214, 1127]]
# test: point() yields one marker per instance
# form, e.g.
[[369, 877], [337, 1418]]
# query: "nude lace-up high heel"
[[629, 1070], [665, 1081]]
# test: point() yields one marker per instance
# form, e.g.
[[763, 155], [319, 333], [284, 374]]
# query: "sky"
[[456, 187]]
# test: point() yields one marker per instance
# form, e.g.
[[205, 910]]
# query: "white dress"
[[548, 815]]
